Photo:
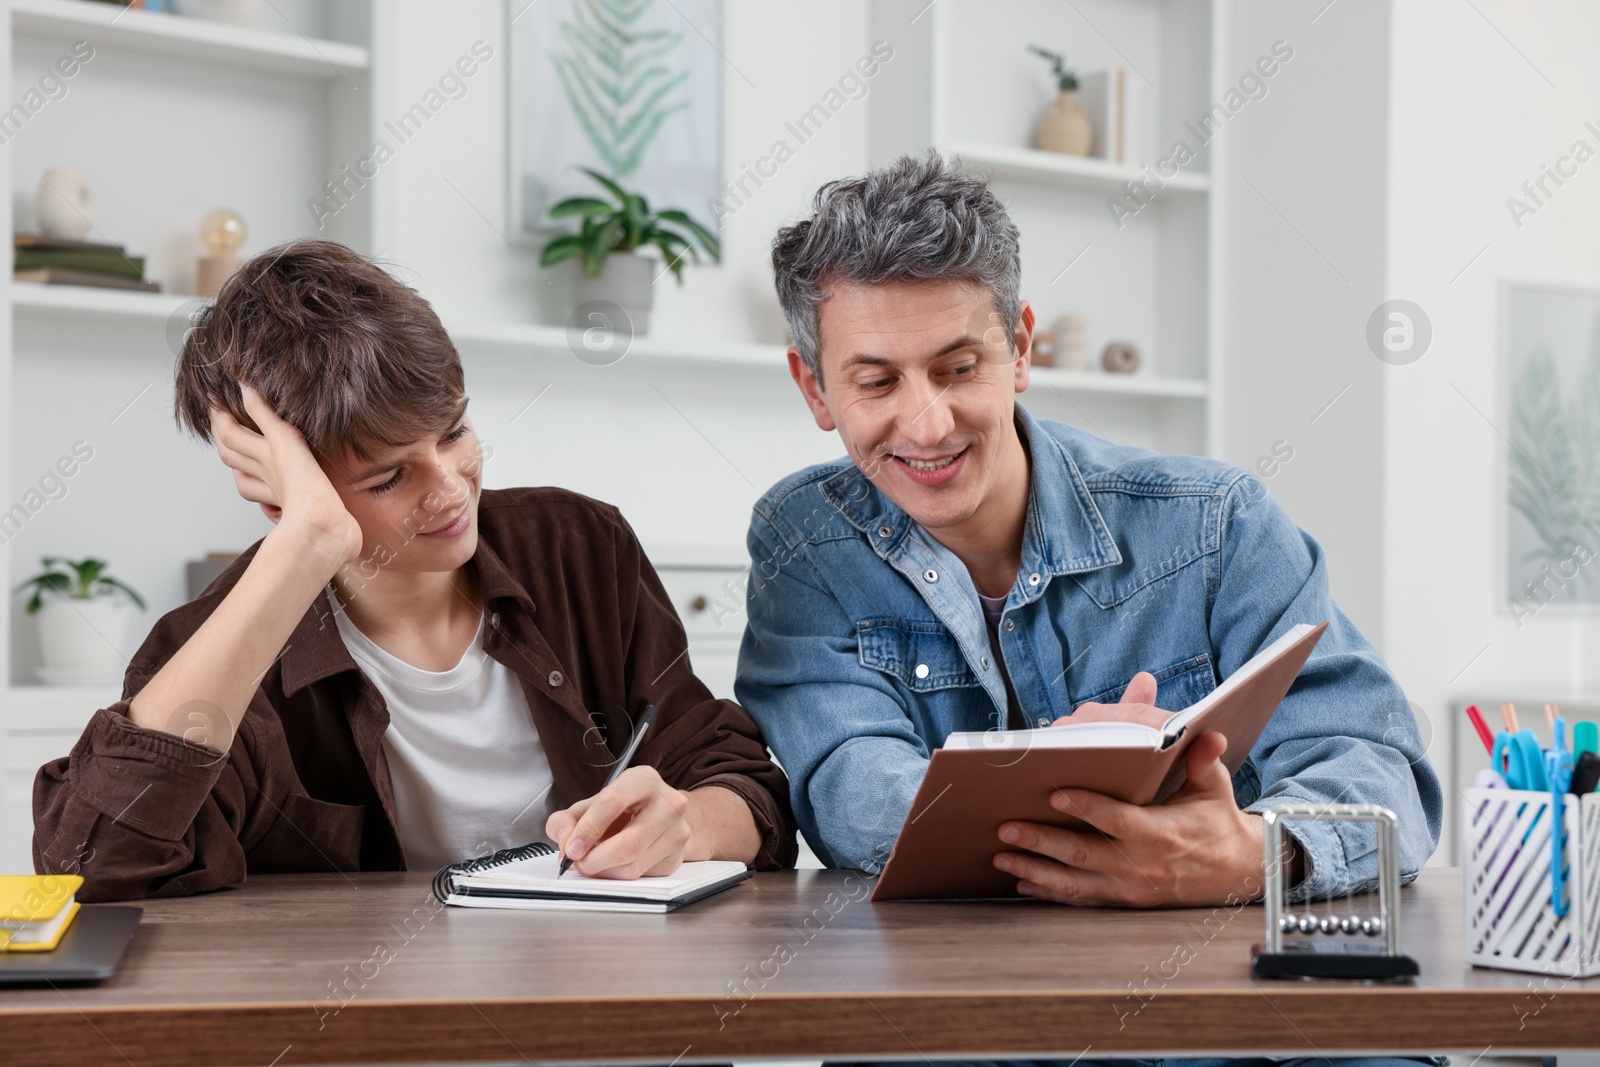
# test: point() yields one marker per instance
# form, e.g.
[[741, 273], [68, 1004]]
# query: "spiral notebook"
[[525, 878]]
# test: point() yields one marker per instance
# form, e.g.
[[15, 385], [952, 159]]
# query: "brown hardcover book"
[[977, 781], [64, 276]]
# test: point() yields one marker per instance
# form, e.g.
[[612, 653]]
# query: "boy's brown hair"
[[343, 351]]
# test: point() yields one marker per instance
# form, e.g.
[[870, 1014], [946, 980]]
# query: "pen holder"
[[1512, 921]]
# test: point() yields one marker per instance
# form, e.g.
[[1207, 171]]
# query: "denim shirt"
[[866, 643]]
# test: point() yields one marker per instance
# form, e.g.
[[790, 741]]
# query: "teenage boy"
[[408, 669], [970, 567]]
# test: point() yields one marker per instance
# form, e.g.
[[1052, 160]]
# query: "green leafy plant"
[[1066, 78], [84, 579], [1554, 458], [617, 79], [625, 224]]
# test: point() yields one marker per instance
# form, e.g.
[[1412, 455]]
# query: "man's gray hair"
[[918, 219]]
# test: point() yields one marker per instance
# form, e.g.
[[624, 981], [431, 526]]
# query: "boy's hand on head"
[[275, 468]]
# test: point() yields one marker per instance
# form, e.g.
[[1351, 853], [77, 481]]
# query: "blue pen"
[[1558, 771]]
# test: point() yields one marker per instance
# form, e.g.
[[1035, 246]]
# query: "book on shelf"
[[62, 244], [100, 262], [89, 278], [1120, 113]]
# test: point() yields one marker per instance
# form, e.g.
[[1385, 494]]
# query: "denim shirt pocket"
[[922, 656], [1177, 685]]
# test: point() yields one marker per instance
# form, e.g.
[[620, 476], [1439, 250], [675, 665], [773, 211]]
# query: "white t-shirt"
[[467, 767]]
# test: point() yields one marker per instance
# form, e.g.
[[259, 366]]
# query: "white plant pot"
[[80, 641], [625, 281]]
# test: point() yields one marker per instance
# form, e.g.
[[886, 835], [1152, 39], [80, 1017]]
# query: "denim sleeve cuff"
[[1321, 849], [149, 781]]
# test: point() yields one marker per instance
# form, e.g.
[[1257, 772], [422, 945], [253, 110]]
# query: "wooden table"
[[303, 969]]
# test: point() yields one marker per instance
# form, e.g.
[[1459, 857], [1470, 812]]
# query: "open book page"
[[1128, 734]]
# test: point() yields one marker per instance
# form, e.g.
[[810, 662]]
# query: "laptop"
[[89, 951]]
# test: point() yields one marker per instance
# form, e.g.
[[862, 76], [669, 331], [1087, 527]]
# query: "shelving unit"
[[171, 117], [192, 40], [38, 302], [1075, 173], [1144, 272]]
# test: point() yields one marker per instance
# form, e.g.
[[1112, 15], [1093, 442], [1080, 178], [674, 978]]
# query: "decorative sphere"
[[1308, 924], [1329, 924], [1287, 924], [223, 232], [1372, 926], [1349, 924]]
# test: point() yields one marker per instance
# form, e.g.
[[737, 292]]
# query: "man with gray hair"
[[969, 567]]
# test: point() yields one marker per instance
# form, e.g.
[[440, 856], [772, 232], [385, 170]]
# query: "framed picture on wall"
[[1550, 414], [629, 88]]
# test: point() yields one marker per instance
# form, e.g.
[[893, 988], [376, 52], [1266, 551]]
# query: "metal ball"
[[1329, 924], [1287, 924], [1372, 926], [1349, 925], [1308, 924]]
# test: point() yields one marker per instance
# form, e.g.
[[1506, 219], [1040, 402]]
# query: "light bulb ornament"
[[223, 232]]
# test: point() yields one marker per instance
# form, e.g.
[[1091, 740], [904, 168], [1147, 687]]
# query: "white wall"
[[1302, 187], [1480, 101], [684, 462]]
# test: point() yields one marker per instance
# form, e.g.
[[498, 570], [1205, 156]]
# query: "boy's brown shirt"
[[574, 610]]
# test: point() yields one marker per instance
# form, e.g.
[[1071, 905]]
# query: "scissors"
[[1519, 760]]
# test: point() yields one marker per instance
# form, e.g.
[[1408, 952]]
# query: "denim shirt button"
[[985, 661], [1010, 625], [922, 670], [1043, 721], [885, 531], [1033, 579], [930, 575]]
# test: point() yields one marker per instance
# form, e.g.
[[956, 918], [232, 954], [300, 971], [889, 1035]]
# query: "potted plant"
[[83, 617], [610, 234], [1064, 127]]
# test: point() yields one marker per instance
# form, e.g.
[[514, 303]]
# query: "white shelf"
[[82, 300], [1079, 173], [553, 342], [1150, 385], [197, 40]]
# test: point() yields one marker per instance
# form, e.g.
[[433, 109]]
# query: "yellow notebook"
[[35, 910]]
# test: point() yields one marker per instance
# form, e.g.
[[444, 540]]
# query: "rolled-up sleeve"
[[141, 813], [1345, 732]]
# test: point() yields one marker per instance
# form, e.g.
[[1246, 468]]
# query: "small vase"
[[1064, 127], [64, 204], [625, 281]]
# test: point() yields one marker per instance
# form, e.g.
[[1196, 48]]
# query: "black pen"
[[621, 765]]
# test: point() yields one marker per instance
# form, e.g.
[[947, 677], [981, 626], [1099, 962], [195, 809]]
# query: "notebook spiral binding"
[[443, 881]]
